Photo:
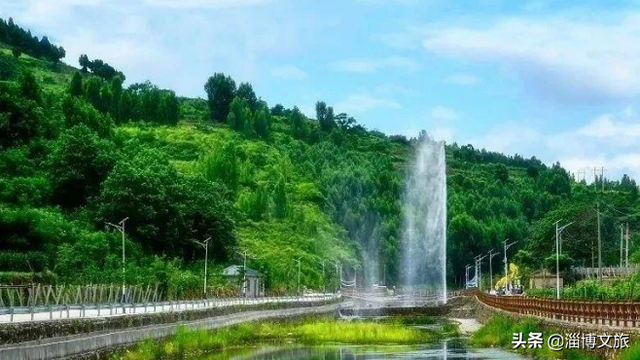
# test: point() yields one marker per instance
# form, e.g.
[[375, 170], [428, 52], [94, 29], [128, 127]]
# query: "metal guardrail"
[[57, 312], [621, 314]]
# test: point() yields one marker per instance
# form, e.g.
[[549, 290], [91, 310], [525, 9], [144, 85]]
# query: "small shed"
[[543, 279], [254, 281]]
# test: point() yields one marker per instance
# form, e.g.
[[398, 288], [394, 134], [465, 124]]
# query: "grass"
[[313, 331], [499, 330]]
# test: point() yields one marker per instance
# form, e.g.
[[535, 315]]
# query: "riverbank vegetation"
[[313, 331], [499, 330]]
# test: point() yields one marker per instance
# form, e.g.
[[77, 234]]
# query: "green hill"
[[78, 149]]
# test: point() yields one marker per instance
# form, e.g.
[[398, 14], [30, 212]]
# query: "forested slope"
[[79, 148]]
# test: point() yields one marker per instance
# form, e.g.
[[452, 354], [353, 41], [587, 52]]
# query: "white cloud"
[[463, 79], [374, 64], [609, 141], [442, 113], [289, 72], [359, 103], [557, 57]]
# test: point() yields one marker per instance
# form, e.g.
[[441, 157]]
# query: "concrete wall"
[[72, 346]]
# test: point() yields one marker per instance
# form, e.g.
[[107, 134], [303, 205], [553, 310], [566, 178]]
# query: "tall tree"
[[75, 87], [84, 62], [262, 121], [280, 202], [298, 123], [220, 93], [245, 91], [29, 87], [239, 117]]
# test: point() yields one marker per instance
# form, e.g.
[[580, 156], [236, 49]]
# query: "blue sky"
[[556, 79]]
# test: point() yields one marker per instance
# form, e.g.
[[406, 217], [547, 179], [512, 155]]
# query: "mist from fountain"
[[424, 237]]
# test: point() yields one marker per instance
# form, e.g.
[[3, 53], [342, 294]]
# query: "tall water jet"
[[424, 237]]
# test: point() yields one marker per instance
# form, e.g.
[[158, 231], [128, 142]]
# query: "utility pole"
[[599, 244], [298, 261], [627, 248], [559, 230], [479, 259], [506, 263], [621, 245], [324, 280], [205, 245], [120, 227], [491, 255], [338, 275], [244, 271]]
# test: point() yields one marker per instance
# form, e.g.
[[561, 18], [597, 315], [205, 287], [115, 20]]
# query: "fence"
[[48, 295], [590, 272], [622, 314], [57, 312]]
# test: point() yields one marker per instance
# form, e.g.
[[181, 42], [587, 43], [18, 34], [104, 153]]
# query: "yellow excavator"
[[507, 282]]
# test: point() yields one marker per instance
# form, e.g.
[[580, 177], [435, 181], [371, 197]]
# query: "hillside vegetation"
[[79, 149]]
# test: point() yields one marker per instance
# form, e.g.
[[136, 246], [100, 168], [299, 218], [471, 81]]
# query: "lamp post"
[[120, 227], [507, 245], [479, 259], [324, 280], [491, 255], [559, 230], [338, 275], [299, 262], [205, 245], [244, 271]]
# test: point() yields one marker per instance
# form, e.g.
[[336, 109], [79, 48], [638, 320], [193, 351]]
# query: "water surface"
[[440, 351]]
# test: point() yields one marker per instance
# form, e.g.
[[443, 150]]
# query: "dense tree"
[[262, 121], [20, 119], [84, 62], [298, 123], [245, 91], [222, 165], [220, 93], [77, 111], [280, 202], [99, 68], [170, 209], [75, 87], [22, 41], [239, 117], [29, 87], [324, 115], [79, 163]]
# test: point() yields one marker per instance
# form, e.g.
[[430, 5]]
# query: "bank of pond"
[[415, 337]]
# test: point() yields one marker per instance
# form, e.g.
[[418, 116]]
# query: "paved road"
[[76, 312]]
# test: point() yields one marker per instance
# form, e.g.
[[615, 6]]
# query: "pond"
[[452, 349]]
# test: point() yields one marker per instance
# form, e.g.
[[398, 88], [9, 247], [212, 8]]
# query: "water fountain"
[[424, 239]]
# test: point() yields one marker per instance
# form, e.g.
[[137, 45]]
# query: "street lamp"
[[507, 245], [338, 275], [205, 245], [324, 280], [244, 271], [120, 227], [491, 255], [559, 230], [298, 261], [479, 259]]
